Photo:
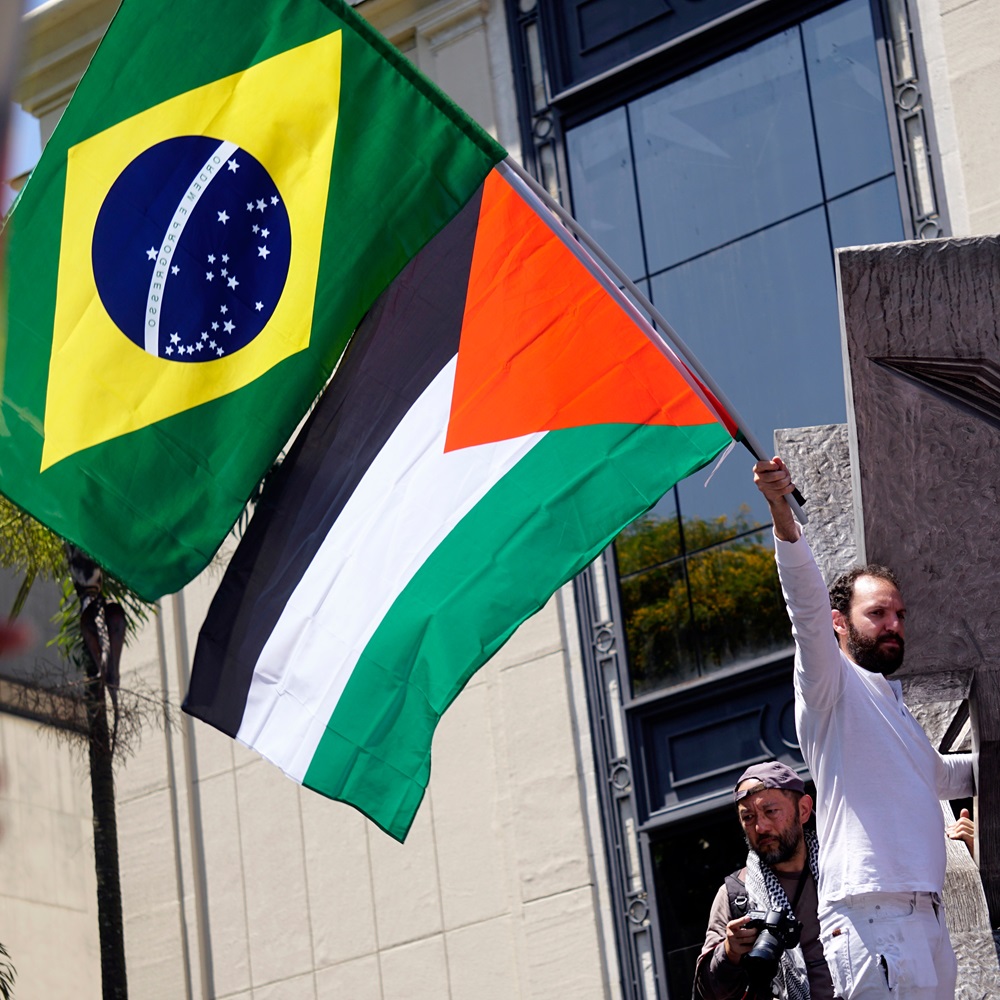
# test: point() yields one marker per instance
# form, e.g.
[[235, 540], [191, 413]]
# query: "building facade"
[[578, 820]]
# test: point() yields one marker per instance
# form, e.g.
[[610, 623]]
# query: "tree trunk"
[[109, 896]]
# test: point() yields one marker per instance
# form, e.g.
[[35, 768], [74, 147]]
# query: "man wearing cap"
[[878, 779], [780, 874]]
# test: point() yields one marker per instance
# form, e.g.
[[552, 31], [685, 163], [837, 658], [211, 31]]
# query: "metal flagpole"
[[606, 268]]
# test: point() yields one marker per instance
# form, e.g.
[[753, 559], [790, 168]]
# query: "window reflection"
[[869, 215], [686, 617], [602, 177], [725, 151], [726, 192], [761, 315], [849, 109]]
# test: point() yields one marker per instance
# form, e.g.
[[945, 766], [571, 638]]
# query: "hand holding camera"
[[778, 930]]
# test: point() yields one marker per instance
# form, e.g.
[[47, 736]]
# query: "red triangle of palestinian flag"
[[545, 347]]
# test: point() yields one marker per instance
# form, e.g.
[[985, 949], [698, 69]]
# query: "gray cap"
[[772, 774]]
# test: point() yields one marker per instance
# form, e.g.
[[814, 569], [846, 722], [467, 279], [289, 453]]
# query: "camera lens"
[[778, 931]]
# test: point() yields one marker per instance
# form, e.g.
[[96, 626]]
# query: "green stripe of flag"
[[541, 524]]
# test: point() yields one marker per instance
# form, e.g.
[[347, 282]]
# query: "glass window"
[[603, 179], [761, 314], [725, 151], [727, 191], [867, 215], [714, 601], [849, 109]]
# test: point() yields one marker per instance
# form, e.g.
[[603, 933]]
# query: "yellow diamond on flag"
[[190, 248]]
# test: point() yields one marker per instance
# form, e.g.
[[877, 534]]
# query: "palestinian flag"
[[497, 419], [230, 189]]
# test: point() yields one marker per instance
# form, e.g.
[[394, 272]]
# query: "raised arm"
[[775, 483], [818, 663]]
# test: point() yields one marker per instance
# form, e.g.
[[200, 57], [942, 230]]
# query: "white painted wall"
[[48, 890], [494, 896], [961, 43]]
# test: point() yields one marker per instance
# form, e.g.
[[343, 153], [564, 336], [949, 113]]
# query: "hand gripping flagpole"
[[603, 267]]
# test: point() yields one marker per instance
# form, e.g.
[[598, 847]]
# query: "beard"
[[781, 847], [875, 655]]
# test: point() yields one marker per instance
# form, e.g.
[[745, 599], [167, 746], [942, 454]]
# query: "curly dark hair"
[[842, 589]]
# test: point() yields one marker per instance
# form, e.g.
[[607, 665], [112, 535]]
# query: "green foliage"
[[727, 607], [28, 547], [7, 974], [69, 639]]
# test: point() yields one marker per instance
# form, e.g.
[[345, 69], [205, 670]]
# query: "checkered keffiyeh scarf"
[[765, 892]]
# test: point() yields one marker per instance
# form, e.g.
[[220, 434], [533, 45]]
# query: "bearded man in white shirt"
[[878, 779]]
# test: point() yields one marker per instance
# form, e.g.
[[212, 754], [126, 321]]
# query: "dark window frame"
[[543, 128]]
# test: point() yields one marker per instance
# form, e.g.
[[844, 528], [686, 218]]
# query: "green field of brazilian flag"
[[161, 349]]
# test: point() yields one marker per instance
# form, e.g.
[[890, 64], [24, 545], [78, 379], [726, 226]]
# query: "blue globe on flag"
[[191, 249]]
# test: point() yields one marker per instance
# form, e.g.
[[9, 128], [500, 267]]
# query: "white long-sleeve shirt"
[[878, 779]]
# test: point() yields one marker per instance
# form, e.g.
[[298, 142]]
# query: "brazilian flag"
[[229, 190]]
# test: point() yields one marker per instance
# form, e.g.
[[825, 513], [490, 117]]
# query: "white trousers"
[[889, 945]]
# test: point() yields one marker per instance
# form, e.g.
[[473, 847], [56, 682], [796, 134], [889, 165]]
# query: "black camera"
[[778, 930]]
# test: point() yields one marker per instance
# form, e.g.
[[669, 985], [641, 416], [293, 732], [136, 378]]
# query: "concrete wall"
[[922, 342], [48, 891], [494, 895], [971, 31], [961, 45]]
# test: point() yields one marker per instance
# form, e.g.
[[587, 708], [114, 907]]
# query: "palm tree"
[[95, 617], [7, 974]]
